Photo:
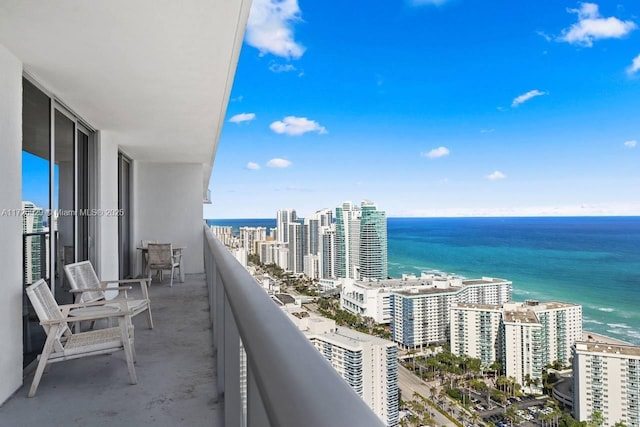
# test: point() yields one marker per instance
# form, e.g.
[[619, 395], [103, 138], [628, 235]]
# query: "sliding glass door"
[[56, 194]]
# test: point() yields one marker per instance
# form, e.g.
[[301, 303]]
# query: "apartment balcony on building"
[[111, 112]]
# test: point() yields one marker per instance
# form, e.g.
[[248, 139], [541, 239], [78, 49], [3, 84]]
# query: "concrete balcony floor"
[[175, 368]]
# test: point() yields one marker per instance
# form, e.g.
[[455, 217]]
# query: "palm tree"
[[511, 414], [433, 391]]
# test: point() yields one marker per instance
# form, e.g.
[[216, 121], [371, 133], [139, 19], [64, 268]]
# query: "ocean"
[[592, 261]]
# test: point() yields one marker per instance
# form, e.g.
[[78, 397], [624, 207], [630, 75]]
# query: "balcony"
[[175, 367], [190, 368]]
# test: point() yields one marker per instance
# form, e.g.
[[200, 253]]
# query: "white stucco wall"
[[10, 225], [167, 207], [107, 261]]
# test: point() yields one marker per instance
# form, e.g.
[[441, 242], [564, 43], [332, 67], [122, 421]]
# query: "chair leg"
[[149, 318], [171, 285], [42, 363], [128, 351]]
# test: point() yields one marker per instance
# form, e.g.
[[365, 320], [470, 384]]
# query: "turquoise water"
[[593, 261]]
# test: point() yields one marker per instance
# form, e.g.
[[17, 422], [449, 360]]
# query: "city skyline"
[[441, 108]]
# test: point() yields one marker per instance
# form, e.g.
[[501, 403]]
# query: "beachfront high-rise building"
[[347, 240], [224, 233], [295, 242], [32, 217], [475, 331], [418, 307], [328, 258], [420, 314], [522, 346], [283, 218], [606, 379], [524, 337], [373, 242], [367, 363], [312, 235], [271, 252], [250, 235]]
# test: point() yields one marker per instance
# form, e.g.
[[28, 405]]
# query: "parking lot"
[[528, 411]]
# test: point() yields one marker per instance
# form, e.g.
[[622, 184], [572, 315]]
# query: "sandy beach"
[[592, 336]]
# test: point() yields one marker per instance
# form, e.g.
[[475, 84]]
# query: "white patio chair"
[[88, 288], [161, 257], [62, 344], [145, 243]]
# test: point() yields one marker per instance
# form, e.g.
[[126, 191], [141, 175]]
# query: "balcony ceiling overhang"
[[155, 73]]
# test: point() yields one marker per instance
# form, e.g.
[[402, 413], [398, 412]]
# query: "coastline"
[[595, 337]]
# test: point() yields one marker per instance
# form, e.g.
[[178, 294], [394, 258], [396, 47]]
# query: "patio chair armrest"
[[89, 317], [115, 288], [139, 280], [144, 283], [84, 304]]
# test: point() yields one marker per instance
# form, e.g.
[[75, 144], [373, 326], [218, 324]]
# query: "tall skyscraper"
[[373, 242], [283, 218], [312, 235], [296, 247], [348, 240], [328, 260], [250, 235], [367, 363], [524, 337]]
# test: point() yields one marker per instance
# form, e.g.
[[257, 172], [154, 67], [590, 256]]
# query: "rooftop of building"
[[548, 305], [426, 283], [520, 316], [487, 307], [514, 306], [606, 348], [348, 337]]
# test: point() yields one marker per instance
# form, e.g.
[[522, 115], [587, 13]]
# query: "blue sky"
[[434, 108]]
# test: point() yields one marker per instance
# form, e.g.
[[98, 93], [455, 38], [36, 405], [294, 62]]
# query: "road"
[[409, 384]]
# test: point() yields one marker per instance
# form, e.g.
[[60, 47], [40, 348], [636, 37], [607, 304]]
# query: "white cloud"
[[237, 99], [435, 153], [253, 166], [292, 125], [242, 117], [631, 144], [495, 176], [278, 163], [544, 35], [635, 65], [592, 26], [270, 28], [282, 68], [487, 130], [526, 96]]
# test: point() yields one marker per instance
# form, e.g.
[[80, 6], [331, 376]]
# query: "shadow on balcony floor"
[[175, 367]]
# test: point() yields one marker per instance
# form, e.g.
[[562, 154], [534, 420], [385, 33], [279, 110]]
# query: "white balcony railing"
[[288, 381]]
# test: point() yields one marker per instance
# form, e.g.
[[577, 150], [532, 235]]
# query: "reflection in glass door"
[[63, 214], [36, 203], [82, 194], [124, 205]]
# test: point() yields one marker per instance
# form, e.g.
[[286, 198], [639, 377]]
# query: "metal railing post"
[[219, 326], [256, 413], [232, 400]]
